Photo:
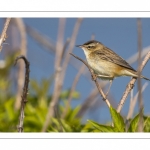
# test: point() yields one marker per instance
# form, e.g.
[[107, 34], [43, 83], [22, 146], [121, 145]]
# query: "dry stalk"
[[24, 93], [131, 84], [58, 70], [4, 35], [140, 101], [76, 79], [57, 114], [133, 102], [42, 40], [50, 46], [65, 47], [95, 80], [134, 57], [87, 103], [71, 46], [60, 79], [23, 51]]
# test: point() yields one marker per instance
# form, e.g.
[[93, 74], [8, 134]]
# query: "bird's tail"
[[145, 78], [135, 74]]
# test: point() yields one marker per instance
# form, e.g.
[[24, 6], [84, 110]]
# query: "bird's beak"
[[81, 46]]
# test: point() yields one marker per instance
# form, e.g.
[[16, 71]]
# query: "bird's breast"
[[106, 68]]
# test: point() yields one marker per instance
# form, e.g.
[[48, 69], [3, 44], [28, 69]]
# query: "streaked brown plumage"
[[105, 62]]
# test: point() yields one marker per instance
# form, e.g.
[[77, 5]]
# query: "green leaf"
[[117, 120], [146, 123], [102, 128], [9, 109], [134, 124], [66, 126], [71, 114], [146, 120], [74, 112]]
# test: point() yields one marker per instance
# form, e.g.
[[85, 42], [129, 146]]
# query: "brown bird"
[[105, 63]]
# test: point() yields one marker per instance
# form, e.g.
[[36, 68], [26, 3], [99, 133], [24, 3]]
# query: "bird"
[[106, 64]]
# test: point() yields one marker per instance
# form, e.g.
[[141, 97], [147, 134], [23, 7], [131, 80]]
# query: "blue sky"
[[119, 34]]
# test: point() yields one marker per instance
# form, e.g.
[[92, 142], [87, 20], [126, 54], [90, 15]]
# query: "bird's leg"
[[109, 87], [93, 76], [110, 80]]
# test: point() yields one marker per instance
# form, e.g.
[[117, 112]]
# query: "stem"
[[4, 35], [95, 80], [24, 93], [131, 84], [140, 101]]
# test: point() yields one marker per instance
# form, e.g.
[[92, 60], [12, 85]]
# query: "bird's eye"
[[89, 47]]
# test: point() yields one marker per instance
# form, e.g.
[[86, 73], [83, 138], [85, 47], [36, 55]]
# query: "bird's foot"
[[94, 77]]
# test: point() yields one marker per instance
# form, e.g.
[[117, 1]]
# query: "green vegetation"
[[37, 107]]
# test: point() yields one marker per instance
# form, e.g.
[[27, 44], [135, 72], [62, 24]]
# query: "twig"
[[4, 35], [140, 101], [88, 102], [59, 46], [56, 111], [48, 44], [24, 93], [42, 39], [71, 46], [133, 102], [65, 47], [72, 90], [60, 78], [95, 80], [131, 84], [134, 57], [58, 70], [23, 51]]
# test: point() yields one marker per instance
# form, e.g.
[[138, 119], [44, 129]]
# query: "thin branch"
[[95, 80], [49, 45], [70, 49], [140, 101], [4, 35], [65, 47], [42, 39], [23, 51], [59, 45], [56, 111], [87, 102], [76, 79], [58, 70], [60, 78], [131, 84], [24, 93], [133, 102], [134, 57]]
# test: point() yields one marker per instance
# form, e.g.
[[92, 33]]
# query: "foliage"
[[37, 108], [119, 124]]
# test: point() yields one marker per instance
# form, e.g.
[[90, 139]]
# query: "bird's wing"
[[109, 55]]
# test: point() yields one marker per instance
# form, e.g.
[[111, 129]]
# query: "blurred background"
[[58, 80]]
